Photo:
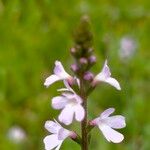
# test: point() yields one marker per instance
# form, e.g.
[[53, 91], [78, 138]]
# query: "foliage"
[[33, 34]]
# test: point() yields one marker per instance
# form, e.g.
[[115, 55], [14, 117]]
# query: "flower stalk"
[[84, 61], [84, 122], [73, 100]]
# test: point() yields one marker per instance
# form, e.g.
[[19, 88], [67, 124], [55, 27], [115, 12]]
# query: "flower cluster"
[[71, 105]]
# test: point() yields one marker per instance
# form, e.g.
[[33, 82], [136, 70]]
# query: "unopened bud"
[[90, 50], [88, 76], [92, 59], [73, 51], [83, 61], [92, 123], [73, 135], [74, 67]]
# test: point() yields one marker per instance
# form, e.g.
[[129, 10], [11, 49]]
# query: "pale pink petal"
[[51, 141], [51, 79], [68, 86], [116, 122], [68, 95], [52, 126], [110, 134], [60, 71], [66, 115], [78, 81], [79, 113], [106, 71], [63, 134], [73, 98], [113, 82], [59, 102], [58, 147], [106, 113], [95, 121], [104, 76], [78, 99]]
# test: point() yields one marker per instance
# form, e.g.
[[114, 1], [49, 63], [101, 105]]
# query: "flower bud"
[[92, 59], [88, 76], [74, 67], [83, 61], [73, 51], [90, 50], [73, 135]]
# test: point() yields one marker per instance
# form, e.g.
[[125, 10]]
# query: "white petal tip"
[[118, 140], [63, 121], [46, 85], [118, 88]]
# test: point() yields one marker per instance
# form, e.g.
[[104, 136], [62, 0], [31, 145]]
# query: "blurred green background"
[[35, 33]]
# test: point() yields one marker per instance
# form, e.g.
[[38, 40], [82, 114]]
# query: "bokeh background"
[[35, 33]]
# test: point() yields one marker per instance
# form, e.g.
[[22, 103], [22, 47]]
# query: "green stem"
[[84, 122]]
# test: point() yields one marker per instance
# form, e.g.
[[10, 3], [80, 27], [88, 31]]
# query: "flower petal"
[[68, 95], [51, 141], [66, 115], [107, 112], [68, 86], [51, 79], [110, 134], [113, 82], [106, 71], [104, 76], [58, 147], [59, 102], [52, 127], [63, 134], [79, 113], [116, 122], [60, 71]]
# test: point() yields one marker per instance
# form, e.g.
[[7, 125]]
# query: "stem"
[[84, 122]]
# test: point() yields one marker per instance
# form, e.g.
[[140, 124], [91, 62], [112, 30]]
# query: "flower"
[[105, 76], [59, 74], [16, 134], [71, 105], [107, 124], [127, 48], [59, 134]]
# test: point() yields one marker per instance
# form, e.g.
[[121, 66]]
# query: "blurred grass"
[[33, 34]]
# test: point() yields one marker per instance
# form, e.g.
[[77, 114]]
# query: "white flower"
[[59, 134], [107, 124], [59, 74], [16, 134], [71, 105], [105, 76], [127, 48]]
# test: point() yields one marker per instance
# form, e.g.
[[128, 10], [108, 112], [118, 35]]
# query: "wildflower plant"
[[73, 98]]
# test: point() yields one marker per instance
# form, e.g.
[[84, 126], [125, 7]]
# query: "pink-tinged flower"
[[105, 76], [127, 49], [71, 105], [59, 134], [16, 134], [59, 74], [107, 124]]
